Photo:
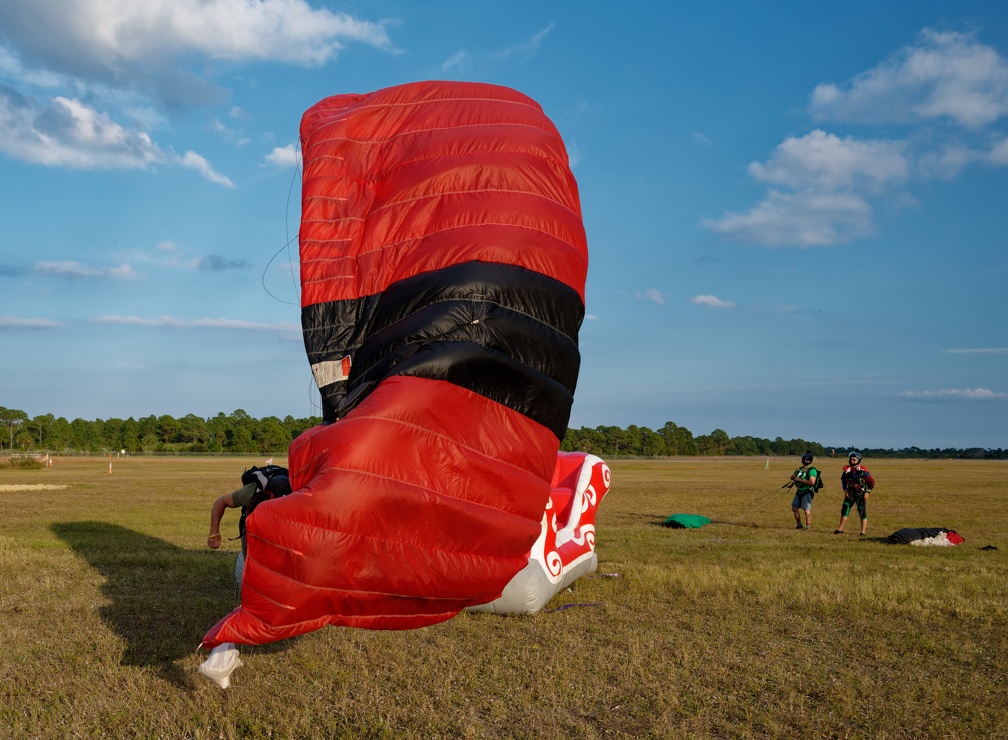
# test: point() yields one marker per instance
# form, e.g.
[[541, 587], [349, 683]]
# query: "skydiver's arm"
[[223, 502]]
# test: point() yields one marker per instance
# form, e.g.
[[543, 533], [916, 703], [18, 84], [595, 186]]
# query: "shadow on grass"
[[162, 598]]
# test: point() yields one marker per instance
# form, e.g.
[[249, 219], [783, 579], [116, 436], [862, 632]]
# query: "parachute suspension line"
[[290, 191], [286, 246]]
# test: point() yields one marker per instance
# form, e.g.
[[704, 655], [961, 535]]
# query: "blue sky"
[[797, 217]]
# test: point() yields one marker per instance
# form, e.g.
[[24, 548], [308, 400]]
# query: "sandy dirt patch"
[[31, 487]]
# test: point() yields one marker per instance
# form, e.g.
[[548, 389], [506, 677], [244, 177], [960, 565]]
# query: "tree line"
[[235, 433], [673, 440], [239, 433]]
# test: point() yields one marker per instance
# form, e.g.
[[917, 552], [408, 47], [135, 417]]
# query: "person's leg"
[[844, 511], [808, 512], [796, 510], [863, 513]]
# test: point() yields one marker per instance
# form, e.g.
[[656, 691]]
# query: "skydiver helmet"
[[806, 459], [854, 458]]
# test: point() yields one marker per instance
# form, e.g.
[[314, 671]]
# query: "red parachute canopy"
[[443, 263]]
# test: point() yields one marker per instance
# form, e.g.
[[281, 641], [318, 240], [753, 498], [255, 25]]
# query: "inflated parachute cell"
[[443, 263]]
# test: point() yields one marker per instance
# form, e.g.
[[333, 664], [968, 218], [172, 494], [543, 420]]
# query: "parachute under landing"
[[565, 550], [443, 262]]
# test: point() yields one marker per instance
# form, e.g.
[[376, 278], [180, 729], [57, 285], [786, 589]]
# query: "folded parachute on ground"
[[443, 263], [939, 536], [686, 521]]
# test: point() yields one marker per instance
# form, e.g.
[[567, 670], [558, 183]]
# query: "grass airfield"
[[744, 628]]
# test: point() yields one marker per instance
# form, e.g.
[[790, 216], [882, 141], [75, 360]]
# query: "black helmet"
[[806, 459], [854, 458]]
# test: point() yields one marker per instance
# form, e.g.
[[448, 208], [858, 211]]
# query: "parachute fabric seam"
[[349, 591], [376, 476], [444, 193], [411, 132], [444, 437], [427, 101], [399, 244]]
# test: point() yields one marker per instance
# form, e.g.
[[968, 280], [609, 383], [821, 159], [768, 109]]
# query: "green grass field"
[[744, 628]]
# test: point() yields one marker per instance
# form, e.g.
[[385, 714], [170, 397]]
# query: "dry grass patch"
[[744, 628]]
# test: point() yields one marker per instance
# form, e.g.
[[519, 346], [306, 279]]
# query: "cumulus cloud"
[[113, 39], [968, 394], [826, 162], [282, 156], [945, 75], [825, 186], [75, 270], [805, 219], [83, 85], [62, 132], [711, 301], [66, 133], [11, 323]]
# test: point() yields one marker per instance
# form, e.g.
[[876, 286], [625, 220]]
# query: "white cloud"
[[66, 133], [194, 161], [826, 184], [464, 64], [947, 160], [711, 301], [75, 270], [283, 157], [943, 76], [104, 62], [230, 135], [116, 38], [15, 322], [969, 394], [806, 219], [62, 132], [282, 328], [652, 294], [826, 162], [979, 351]]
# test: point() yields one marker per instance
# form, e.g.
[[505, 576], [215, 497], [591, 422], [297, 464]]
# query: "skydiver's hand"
[[213, 541]]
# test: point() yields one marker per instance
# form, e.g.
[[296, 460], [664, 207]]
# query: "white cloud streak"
[[10, 323], [75, 270], [966, 394], [282, 328], [465, 64], [805, 219], [652, 294], [711, 301], [979, 351]]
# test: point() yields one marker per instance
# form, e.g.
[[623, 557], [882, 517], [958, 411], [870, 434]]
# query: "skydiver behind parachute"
[[443, 264]]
